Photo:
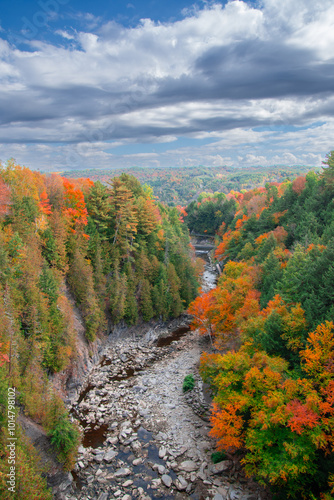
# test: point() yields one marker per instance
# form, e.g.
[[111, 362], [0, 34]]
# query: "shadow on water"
[[94, 436], [77, 480], [176, 335], [84, 393], [105, 361], [143, 435]]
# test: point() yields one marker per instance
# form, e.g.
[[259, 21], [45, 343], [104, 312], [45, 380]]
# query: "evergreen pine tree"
[[146, 306]]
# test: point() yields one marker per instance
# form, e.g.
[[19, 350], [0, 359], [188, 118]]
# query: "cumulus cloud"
[[220, 72]]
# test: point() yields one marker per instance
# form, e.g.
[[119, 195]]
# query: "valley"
[[142, 436]]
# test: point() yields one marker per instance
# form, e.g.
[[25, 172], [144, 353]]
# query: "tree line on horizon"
[[181, 185]]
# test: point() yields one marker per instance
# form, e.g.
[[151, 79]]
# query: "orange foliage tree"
[[259, 407], [74, 207], [44, 204], [220, 311], [299, 184], [201, 309]]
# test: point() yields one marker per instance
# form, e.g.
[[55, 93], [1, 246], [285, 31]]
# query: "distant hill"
[[181, 185]]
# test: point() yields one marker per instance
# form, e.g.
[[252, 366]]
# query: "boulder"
[[167, 480], [161, 469], [181, 483], [188, 466], [110, 455], [122, 472], [224, 466], [127, 483]]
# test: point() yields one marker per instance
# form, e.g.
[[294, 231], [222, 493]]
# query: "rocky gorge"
[[143, 438]]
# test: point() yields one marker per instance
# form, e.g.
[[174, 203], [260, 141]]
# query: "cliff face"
[[68, 382]]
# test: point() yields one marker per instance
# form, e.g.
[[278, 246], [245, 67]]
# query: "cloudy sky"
[[166, 83]]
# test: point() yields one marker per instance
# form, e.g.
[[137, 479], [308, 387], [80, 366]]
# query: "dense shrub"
[[188, 383]]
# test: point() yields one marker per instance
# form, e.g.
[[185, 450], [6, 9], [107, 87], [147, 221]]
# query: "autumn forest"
[[119, 253], [124, 257]]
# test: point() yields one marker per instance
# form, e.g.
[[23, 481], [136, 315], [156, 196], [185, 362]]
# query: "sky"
[[111, 84]]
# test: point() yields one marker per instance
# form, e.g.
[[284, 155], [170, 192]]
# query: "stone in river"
[[122, 472], [167, 480], [188, 466], [110, 455], [181, 483]]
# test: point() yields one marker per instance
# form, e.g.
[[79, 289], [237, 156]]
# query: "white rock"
[[193, 477], [234, 494], [136, 445], [155, 483], [162, 452], [223, 466], [181, 483], [110, 455], [167, 480], [161, 469], [127, 483], [188, 466], [122, 472]]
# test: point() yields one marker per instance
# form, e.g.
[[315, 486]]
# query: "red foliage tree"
[[298, 184], [4, 198]]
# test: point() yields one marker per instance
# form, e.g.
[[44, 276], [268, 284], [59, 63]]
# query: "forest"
[[270, 320], [124, 257], [117, 252]]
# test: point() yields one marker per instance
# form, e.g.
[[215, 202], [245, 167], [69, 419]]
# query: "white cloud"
[[65, 34], [219, 73]]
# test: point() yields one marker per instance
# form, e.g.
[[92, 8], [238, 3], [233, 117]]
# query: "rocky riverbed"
[[143, 438]]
